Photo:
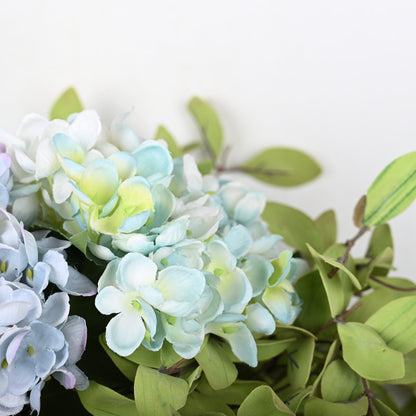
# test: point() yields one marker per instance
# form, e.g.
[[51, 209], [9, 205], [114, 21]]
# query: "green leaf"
[[67, 104], [210, 125], [174, 149], [334, 287], [296, 398], [364, 350], [191, 146], [332, 353], [146, 357], [380, 265], [318, 407], [381, 409], [340, 384], [293, 225], [410, 370], [200, 404], [396, 323], [327, 225], [80, 240], [125, 366], [381, 238], [232, 395], [156, 394], [392, 192], [375, 300], [102, 401], [282, 166], [193, 379], [315, 309], [263, 401], [219, 370], [168, 355], [270, 348], [299, 362], [206, 166]]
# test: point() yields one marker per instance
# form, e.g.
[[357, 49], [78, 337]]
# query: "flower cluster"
[[37, 337], [187, 255]]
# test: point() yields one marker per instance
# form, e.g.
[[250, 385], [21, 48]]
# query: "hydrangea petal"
[[66, 147], [59, 267], [85, 128], [56, 309], [259, 319], [135, 270], [125, 332], [249, 207], [126, 164], [110, 300], [75, 333], [258, 271], [46, 160], [238, 240]]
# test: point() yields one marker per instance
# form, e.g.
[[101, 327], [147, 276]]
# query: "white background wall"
[[334, 78]]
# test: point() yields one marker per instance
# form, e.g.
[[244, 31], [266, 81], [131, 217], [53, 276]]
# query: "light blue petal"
[[210, 304], [124, 333], [259, 319], [151, 295], [135, 222], [110, 300], [173, 232], [135, 270], [4, 196], [134, 243], [284, 261], [109, 206], [55, 309], [240, 339], [101, 252], [230, 194], [238, 240], [258, 272], [126, 164], [249, 207], [78, 284], [180, 284], [153, 160], [42, 334], [66, 147], [75, 333], [220, 257], [20, 191], [108, 278], [26, 209], [31, 246], [164, 204], [35, 396], [59, 267], [235, 290], [73, 169]]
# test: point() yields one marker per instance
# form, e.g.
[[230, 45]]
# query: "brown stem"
[[349, 244], [401, 289], [173, 369], [370, 396], [223, 162], [339, 318]]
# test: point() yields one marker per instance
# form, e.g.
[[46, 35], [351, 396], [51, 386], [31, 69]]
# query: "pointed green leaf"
[[232, 395], [364, 350], [315, 309], [80, 240], [327, 225], [282, 166], [396, 323], [318, 407], [410, 370], [146, 357], [206, 166], [392, 192], [263, 401], [297, 397], [340, 384], [127, 367], [102, 401], [191, 146], [381, 238], [200, 404], [156, 394], [270, 348], [381, 409], [174, 149], [333, 286], [300, 362], [209, 123], [293, 225], [67, 104], [219, 370]]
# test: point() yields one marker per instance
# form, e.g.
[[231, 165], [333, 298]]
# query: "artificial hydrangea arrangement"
[[209, 300]]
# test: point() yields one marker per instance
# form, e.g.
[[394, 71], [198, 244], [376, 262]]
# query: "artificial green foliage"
[[392, 192], [208, 121], [164, 134], [282, 166], [67, 104], [353, 338]]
